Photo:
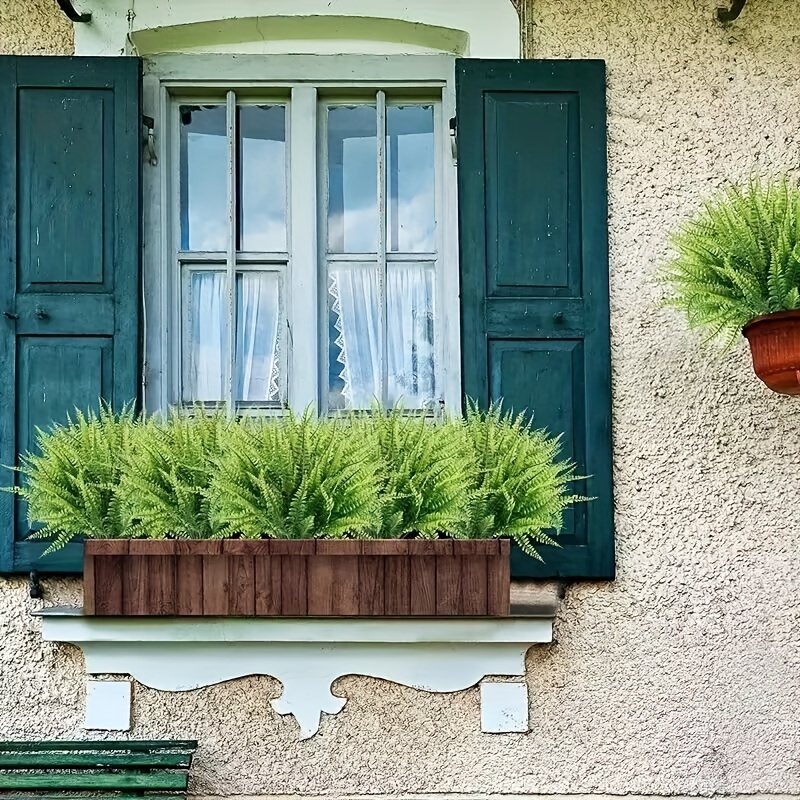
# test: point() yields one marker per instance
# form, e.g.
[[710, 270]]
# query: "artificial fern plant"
[[738, 258], [385, 474], [72, 484]]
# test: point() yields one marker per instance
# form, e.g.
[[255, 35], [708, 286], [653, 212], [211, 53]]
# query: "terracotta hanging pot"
[[775, 347]]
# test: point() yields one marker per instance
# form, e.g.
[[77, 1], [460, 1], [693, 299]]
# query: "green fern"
[[520, 488], [166, 473], [385, 474], [738, 258], [426, 474], [295, 478], [70, 484]]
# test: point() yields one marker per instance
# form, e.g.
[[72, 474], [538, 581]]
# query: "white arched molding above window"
[[475, 28]]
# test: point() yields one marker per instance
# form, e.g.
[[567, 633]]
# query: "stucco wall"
[[683, 676], [34, 27]]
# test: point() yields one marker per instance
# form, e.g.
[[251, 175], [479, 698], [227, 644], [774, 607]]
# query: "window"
[[299, 246], [245, 286]]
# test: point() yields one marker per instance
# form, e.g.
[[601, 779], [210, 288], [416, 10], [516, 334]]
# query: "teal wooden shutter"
[[534, 273], [69, 259]]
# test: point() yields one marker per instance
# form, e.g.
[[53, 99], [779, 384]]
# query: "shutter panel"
[[69, 259], [534, 274]]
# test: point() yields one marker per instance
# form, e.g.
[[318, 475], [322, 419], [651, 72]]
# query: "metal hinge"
[[454, 138], [150, 141]]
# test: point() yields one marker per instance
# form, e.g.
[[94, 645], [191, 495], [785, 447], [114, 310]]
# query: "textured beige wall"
[[33, 27], [683, 676]]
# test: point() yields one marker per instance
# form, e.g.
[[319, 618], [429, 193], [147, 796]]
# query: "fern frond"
[[738, 258]]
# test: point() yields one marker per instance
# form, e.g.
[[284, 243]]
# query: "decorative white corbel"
[[306, 655]]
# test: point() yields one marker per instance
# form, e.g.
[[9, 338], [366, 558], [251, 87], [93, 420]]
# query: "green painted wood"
[[534, 274], [94, 796], [82, 745], [62, 760], [70, 243], [77, 781]]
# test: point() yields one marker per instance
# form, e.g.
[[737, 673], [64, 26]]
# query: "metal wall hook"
[[732, 13], [67, 7], [34, 586]]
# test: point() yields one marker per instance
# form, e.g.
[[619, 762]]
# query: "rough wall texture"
[[34, 27], [683, 676]]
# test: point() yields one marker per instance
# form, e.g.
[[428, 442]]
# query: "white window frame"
[[184, 75]]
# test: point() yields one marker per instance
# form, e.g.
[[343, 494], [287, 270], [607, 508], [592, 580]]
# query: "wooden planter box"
[[282, 578]]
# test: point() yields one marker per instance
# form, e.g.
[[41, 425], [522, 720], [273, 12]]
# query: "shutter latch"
[[454, 139], [150, 141]]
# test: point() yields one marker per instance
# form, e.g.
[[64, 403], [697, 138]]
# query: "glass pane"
[[205, 338], [262, 178], [352, 179], [410, 330], [354, 336], [257, 336], [204, 178], [410, 172]]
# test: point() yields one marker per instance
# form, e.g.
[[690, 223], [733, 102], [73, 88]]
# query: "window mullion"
[[382, 274], [231, 254], [304, 259]]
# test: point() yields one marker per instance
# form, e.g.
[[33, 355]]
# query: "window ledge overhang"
[[305, 654]]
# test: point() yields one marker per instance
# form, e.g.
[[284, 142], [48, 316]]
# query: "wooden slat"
[[448, 586], [215, 585], [498, 600], [198, 547], [422, 572], [246, 547], [73, 781], [107, 585], [338, 547], [240, 586], [372, 584], [67, 760], [333, 583], [89, 589], [151, 547], [474, 585], [268, 585], [104, 745], [293, 547], [189, 585], [135, 585], [397, 583], [386, 547], [106, 547], [161, 586], [294, 584], [475, 547]]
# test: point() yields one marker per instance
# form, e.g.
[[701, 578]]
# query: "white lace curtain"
[[257, 340], [410, 342]]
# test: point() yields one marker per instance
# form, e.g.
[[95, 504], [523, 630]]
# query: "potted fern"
[[737, 269], [380, 514]]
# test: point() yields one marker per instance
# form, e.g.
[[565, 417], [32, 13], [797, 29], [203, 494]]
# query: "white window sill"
[[305, 654]]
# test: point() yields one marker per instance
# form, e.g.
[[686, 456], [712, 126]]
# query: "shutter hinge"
[[454, 138], [150, 141]]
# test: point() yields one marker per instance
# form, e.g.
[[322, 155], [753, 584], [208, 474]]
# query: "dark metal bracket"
[[34, 586], [732, 13], [67, 7]]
